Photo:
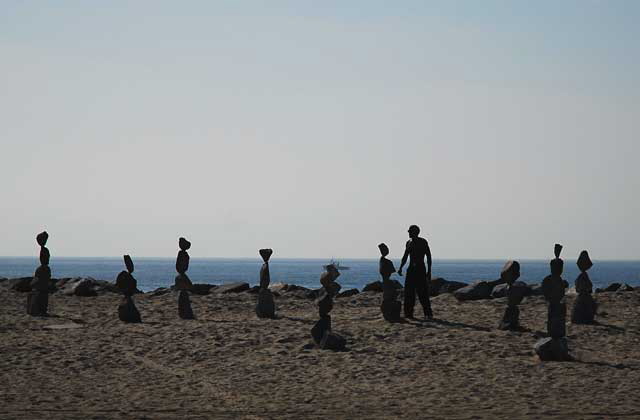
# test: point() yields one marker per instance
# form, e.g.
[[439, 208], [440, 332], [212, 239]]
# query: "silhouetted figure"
[[584, 307], [127, 285], [390, 306], [321, 331], [266, 307], [38, 298], [182, 282], [418, 276], [555, 347], [516, 290]]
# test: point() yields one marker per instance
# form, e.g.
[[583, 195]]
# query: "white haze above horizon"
[[320, 129]]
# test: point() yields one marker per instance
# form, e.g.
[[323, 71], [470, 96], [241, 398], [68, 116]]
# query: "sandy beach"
[[83, 363]]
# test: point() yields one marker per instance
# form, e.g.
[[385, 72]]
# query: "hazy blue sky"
[[320, 128]]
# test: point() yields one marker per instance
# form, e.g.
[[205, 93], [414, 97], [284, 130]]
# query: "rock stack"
[[266, 307], [127, 285], [390, 306], [555, 346], [321, 331], [183, 283], [38, 298], [516, 291], [584, 307]]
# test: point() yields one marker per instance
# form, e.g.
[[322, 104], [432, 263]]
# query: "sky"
[[320, 129]]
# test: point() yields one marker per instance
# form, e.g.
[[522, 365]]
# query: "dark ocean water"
[[152, 273]]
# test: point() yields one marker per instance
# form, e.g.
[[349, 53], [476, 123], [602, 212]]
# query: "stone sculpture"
[[127, 285], [555, 347], [182, 282], [38, 298], [266, 307], [321, 331], [584, 307], [390, 306], [516, 291]]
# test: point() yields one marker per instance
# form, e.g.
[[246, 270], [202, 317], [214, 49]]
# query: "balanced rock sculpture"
[[555, 346], [127, 285], [584, 307], [516, 291], [390, 306], [38, 298], [266, 307], [321, 331], [182, 282]]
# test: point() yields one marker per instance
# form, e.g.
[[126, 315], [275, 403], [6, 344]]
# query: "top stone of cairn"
[[265, 253], [184, 244], [584, 262], [128, 262], [510, 272], [42, 238]]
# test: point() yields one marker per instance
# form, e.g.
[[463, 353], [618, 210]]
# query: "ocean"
[[152, 273]]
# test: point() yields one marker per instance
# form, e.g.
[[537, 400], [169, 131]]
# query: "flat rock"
[[499, 291], [553, 349], [375, 286], [232, 288], [202, 288], [438, 286]]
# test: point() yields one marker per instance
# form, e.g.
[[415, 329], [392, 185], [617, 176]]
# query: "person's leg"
[[409, 296], [423, 294]]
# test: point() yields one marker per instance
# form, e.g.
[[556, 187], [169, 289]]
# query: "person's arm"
[[428, 262], [404, 259]]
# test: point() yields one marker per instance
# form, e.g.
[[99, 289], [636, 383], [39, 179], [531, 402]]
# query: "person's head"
[[414, 231], [384, 250]]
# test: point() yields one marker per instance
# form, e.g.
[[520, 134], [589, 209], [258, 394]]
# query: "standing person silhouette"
[[417, 274]]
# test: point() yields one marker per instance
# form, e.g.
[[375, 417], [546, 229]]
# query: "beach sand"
[[83, 363]]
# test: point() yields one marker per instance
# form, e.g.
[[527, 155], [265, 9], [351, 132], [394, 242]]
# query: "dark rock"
[[553, 349], [314, 293], [183, 244], [510, 319], [182, 262], [536, 289], [583, 284], [202, 288], [391, 310], [612, 287], [183, 282], [126, 284], [476, 291], [38, 303], [44, 256], [266, 307], [348, 293], [21, 284], [232, 288], [516, 292], [42, 238], [499, 291], [127, 311], [375, 286], [584, 262], [625, 288], [82, 287], [160, 291], [510, 272], [324, 338], [265, 253], [584, 309], [284, 287], [184, 305], [254, 290], [556, 319], [128, 262], [438, 286]]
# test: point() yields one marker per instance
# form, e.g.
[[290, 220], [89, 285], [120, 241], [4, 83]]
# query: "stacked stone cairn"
[[516, 291], [38, 298], [584, 307], [390, 306], [182, 282], [266, 307], [555, 346], [321, 331], [127, 285]]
